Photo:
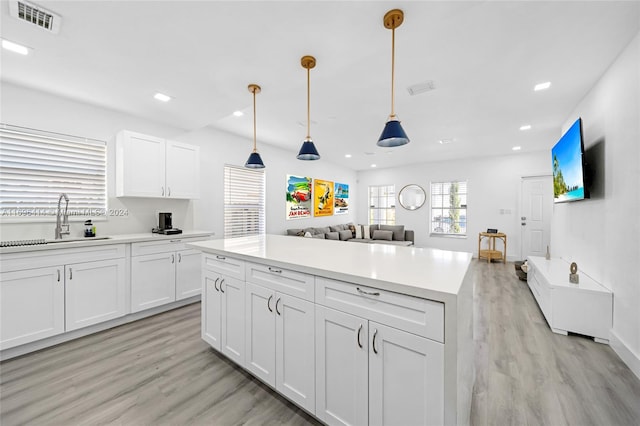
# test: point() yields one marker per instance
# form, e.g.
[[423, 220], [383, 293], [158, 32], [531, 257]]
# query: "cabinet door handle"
[[359, 330], [221, 282], [168, 191], [269, 303], [163, 191], [277, 271], [58, 270], [173, 258], [179, 257], [70, 273], [277, 311], [220, 257], [373, 343], [370, 293], [215, 284]]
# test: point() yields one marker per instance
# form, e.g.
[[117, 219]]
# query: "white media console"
[[585, 308]]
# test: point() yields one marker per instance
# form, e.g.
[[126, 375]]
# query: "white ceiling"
[[484, 58]]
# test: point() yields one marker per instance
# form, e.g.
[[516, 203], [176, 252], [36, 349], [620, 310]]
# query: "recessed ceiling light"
[[15, 47], [373, 165], [542, 86], [444, 141], [525, 127], [516, 148], [238, 113], [347, 156], [162, 97]]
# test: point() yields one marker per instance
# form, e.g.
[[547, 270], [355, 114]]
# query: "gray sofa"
[[377, 234]]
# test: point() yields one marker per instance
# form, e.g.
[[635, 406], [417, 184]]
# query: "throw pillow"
[[300, 233], [365, 232], [294, 231], [345, 235], [358, 232], [335, 228], [333, 235], [398, 231], [352, 228], [308, 234], [382, 235]]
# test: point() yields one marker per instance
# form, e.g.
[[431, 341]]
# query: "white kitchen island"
[[352, 333]]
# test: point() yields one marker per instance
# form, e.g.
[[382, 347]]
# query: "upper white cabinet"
[[148, 166]]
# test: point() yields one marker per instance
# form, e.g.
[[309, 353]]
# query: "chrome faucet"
[[62, 228]]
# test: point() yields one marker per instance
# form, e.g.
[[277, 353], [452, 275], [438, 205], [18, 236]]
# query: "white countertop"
[[423, 272], [557, 272], [112, 239]]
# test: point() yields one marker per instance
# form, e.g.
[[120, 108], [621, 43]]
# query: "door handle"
[[168, 191], [358, 336], [373, 343], [163, 191], [277, 311], [179, 258], [523, 218], [215, 284], [70, 273], [173, 258], [523, 224], [221, 282], [58, 270], [269, 303]]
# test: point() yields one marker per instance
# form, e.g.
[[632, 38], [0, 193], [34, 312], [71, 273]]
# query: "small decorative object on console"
[[573, 276], [492, 231], [548, 254]]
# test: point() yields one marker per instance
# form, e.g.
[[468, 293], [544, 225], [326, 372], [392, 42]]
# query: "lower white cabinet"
[[31, 305], [95, 292], [223, 317], [188, 274], [369, 373], [280, 347]]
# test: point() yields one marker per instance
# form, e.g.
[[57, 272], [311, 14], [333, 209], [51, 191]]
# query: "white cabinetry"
[[31, 305], [584, 308], [45, 294], [162, 272], [280, 344], [223, 316], [370, 373], [148, 166]]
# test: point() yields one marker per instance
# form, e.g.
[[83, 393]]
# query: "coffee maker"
[[165, 226]]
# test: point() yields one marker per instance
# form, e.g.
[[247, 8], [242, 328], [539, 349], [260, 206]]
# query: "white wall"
[[34, 109], [602, 234], [493, 185]]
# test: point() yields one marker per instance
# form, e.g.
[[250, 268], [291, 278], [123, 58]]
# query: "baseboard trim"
[[626, 354], [71, 335]]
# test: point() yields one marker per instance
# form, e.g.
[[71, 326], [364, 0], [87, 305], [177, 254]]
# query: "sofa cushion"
[[372, 228], [332, 235], [345, 235], [358, 232], [360, 240], [398, 231], [338, 228], [382, 235], [320, 236], [322, 230]]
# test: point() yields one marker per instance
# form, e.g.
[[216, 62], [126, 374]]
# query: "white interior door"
[[535, 215]]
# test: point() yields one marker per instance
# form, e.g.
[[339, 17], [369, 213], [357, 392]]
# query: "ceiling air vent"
[[35, 15], [416, 89]]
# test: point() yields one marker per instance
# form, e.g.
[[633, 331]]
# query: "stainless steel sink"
[[71, 240]]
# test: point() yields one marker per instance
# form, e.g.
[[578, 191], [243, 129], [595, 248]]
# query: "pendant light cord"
[[393, 60], [308, 103], [254, 120]]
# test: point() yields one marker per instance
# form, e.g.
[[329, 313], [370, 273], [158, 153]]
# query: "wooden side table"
[[491, 252]]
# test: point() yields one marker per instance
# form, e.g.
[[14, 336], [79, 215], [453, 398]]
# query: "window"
[[37, 166], [243, 201], [382, 205], [449, 208]]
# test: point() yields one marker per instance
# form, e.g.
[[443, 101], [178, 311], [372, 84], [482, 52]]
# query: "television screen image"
[[568, 166]]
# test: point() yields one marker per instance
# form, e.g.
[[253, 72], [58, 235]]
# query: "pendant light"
[[393, 134], [254, 161], [308, 150]]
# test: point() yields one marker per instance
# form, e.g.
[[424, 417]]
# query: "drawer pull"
[[220, 257], [277, 311], [58, 275], [70, 273], [277, 271], [221, 282], [370, 293], [269, 303], [175, 241], [215, 284], [373, 343], [359, 330]]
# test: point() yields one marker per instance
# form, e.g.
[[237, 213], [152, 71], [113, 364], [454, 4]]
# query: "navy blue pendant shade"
[[308, 151], [393, 135], [254, 161]]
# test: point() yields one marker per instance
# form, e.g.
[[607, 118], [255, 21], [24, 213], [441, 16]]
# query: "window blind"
[[244, 195], [37, 166]]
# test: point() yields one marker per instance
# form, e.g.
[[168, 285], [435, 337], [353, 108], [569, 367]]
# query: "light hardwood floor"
[[158, 371]]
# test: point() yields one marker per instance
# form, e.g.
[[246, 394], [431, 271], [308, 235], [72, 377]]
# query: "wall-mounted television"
[[569, 166]]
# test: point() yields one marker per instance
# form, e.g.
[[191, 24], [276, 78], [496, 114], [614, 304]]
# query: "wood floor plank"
[[158, 371]]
